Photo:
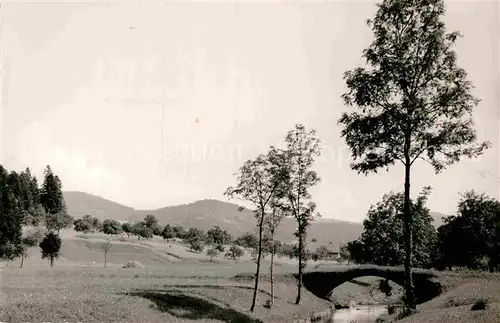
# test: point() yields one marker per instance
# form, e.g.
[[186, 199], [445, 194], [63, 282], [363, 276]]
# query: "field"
[[455, 304], [176, 285]]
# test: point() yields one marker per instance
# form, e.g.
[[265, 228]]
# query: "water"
[[359, 314]]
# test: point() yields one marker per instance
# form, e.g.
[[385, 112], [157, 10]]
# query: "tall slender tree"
[[302, 148], [413, 100], [258, 181]]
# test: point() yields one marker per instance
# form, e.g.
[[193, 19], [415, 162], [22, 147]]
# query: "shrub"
[[480, 305], [219, 248], [133, 264]]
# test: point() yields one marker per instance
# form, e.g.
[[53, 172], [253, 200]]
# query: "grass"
[[140, 295], [467, 297], [179, 286], [189, 307]]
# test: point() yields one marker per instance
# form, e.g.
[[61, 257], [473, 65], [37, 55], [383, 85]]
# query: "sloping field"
[[83, 251], [455, 303], [64, 294]]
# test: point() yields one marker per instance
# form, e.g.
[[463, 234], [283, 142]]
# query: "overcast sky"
[[84, 84]]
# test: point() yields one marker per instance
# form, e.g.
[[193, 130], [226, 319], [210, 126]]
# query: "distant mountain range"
[[205, 214]]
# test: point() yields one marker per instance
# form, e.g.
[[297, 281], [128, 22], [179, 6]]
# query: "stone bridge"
[[323, 281]]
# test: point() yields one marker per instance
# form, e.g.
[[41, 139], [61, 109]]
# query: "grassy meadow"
[[176, 285]]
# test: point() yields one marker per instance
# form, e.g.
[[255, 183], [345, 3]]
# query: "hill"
[[205, 214]]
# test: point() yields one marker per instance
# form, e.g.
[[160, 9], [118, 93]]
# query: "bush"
[[133, 264], [480, 305]]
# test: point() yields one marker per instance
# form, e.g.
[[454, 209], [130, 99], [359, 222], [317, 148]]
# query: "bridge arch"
[[322, 282]]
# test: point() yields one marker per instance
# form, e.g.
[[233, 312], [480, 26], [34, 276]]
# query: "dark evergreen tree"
[[51, 246], [51, 195], [11, 216]]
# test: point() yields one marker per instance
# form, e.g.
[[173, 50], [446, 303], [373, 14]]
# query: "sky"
[[152, 104]]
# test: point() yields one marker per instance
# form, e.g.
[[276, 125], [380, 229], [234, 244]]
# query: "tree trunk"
[[105, 259], [273, 251], [257, 273], [408, 234], [22, 260], [299, 285], [51, 261]]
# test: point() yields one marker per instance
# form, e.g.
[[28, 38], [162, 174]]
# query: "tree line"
[[24, 202], [470, 239], [216, 238]]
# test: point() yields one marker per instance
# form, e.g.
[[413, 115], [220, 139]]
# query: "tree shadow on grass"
[[208, 286], [184, 306]]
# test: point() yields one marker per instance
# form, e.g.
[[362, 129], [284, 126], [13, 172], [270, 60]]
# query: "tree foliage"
[[218, 236], [472, 235], [258, 182], [344, 253], [195, 245], [141, 230], [11, 218], [51, 196], [58, 221], [382, 240], [168, 232], [413, 100], [80, 225], [234, 252], [194, 234], [127, 228], [179, 232], [212, 252], [51, 246], [247, 240], [111, 227], [302, 149], [20, 204]]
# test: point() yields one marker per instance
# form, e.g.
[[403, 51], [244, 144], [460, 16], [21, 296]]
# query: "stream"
[[359, 314]]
